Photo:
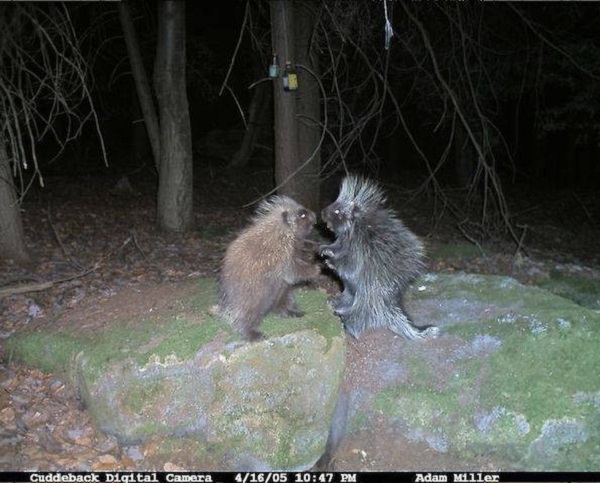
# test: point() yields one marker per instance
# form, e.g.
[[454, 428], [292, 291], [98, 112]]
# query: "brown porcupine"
[[264, 262], [376, 258]]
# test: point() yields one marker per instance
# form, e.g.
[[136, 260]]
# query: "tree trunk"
[[464, 157], [285, 125], [174, 210], [256, 113], [12, 237], [141, 80], [308, 107], [138, 135]]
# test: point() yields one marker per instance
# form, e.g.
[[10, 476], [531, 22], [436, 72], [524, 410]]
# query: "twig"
[[73, 262], [135, 242], [521, 245], [585, 210], [237, 47], [43, 65], [38, 287], [549, 42]]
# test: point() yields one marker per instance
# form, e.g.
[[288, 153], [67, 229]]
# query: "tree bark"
[[174, 208], [12, 237], [308, 107], [141, 81], [285, 123]]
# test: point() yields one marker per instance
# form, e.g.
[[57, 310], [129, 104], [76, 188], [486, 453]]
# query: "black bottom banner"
[[295, 477]]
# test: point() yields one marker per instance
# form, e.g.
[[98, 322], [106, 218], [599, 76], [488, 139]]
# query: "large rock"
[[514, 381], [182, 373]]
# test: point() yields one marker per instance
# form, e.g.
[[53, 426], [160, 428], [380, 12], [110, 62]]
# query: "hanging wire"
[[389, 31]]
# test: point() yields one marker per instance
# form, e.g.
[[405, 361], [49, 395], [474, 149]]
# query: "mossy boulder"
[[176, 371], [515, 376], [513, 380]]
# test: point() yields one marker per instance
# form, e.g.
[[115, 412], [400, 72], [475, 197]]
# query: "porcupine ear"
[[286, 217]]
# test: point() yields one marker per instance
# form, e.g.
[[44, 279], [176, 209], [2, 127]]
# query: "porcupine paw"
[[290, 313], [431, 331], [428, 332], [254, 335], [341, 305], [325, 252]]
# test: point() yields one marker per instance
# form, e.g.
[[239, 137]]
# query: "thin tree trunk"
[[256, 113], [285, 125], [138, 146], [174, 208], [464, 154], [308, 107], [12, 237], [141, 80]]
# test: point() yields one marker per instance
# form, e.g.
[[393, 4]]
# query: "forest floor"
[[92, 238]]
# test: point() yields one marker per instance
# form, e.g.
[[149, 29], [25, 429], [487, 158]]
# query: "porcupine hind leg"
[[401, 325], [286, 305], [248, 328], [342, 304], [352, 324]]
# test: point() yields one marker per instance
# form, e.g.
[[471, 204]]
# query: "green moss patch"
[[517, 378], [455, 250], [584, 291], [178, 330]]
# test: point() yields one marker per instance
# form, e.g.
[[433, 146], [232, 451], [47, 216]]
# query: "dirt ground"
[[93, 246]]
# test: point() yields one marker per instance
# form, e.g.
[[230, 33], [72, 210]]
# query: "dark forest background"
[[471, 104]]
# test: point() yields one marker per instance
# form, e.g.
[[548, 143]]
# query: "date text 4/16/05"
[[301, 477]]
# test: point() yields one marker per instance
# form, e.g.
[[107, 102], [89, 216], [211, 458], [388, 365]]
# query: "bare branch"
[[43, 84]]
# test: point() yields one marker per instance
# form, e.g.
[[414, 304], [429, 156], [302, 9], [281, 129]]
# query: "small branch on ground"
[[38, 287]]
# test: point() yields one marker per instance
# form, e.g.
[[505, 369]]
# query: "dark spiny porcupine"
[[264, 262], [375, 256]]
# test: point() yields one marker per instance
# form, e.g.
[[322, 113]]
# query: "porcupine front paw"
[[253, 335], [325, 251], [286, 312]]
